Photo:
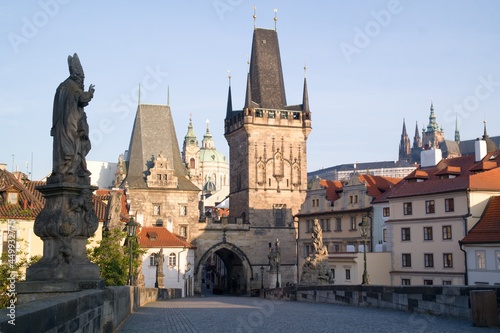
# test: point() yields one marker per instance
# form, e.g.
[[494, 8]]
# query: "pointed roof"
[[432, 126], [229, 109], [266, 75], [248, 96], [490, 144], [457, 133], [154, 133], [190, 133], [305, 97], [404, 133], [208, 141], [487, 229]]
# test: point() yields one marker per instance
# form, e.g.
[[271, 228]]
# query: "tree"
[[113, 258]]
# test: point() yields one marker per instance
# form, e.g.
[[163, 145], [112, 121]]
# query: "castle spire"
[[417, 142], [404, 145], [432, 126]]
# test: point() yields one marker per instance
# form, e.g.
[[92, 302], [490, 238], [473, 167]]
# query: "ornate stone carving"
[[316, 269], [68, 218]]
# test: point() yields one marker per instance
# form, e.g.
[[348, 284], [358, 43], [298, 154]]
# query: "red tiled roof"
[[333, 188], [164, 238], [30, 200], [465, 180], [487, 229], [376, 185], [29, 205]]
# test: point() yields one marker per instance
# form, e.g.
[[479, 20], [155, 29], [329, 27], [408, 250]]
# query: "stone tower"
[[268, 178]]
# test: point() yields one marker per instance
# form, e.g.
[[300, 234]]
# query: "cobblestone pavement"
[[250, 314]]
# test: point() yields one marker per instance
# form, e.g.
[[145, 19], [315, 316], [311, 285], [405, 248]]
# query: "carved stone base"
[[316, 272], [272, 280], [161, 282], [64, 225]]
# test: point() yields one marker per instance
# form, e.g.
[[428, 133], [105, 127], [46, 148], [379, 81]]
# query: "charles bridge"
[[321, 308]]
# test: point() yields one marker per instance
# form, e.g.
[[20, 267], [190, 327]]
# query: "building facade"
[[431, 210], [268, 176], [340, 207]]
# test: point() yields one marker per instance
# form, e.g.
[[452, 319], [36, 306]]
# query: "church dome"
[[211, 155]]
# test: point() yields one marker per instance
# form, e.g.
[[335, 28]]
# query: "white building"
[[178, 259], [482, 247]]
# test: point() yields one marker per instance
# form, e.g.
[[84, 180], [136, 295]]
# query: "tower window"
[[191, 163]]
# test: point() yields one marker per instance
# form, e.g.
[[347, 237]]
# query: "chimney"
[[480, 149], [3, 166], [430, 157]]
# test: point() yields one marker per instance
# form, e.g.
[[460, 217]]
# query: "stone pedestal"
[[272, 280], [316, 272], [161, 281], [64, 225]]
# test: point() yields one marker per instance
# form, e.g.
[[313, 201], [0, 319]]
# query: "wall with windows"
[[177, 266], [483, 264]]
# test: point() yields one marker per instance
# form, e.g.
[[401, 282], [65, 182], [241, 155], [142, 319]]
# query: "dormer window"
[[152, 235], [12, 198]]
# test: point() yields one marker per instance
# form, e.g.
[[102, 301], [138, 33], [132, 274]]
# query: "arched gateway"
[[223, 269]]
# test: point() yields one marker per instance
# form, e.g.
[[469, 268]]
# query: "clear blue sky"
[[369, 65]]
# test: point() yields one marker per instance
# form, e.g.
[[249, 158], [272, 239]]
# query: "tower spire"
[[229, 109], [305, 96], [457, 133], [404, 145], [248, 97]]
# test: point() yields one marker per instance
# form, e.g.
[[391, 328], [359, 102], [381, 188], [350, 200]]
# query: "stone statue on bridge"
[[68, 218], [316, 269], [69, 127]]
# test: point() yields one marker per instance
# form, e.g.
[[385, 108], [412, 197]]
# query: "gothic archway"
[[223, 269]]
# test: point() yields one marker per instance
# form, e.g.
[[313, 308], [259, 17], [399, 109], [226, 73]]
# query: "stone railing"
[[453, 301], [91, 310]]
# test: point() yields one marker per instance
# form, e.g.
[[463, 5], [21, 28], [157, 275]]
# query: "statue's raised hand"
[[91, 89]]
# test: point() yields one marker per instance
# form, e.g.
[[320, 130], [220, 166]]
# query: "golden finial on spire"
[[305, 70], [229, 76], [275, 18], [254, 16]]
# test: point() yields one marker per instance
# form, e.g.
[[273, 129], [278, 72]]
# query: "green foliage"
[[113, 258]]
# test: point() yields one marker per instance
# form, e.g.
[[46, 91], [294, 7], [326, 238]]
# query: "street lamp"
[[261, 277], [364, 228], [131, 233], [278, 257]]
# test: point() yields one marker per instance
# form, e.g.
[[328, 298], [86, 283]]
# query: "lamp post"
[[261, 277], [364, 228], [278, 257], [131, 233]]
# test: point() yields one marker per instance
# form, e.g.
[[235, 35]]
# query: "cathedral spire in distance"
[[417, 141], [404, 145], [432, 126], [457, 133]]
